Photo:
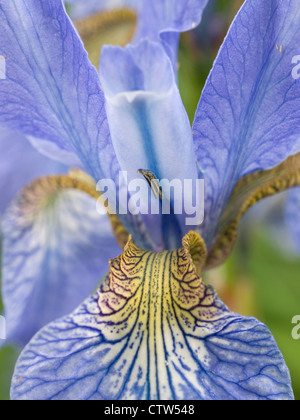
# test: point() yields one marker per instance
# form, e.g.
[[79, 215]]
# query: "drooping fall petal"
[[55, 252], [153, 330]]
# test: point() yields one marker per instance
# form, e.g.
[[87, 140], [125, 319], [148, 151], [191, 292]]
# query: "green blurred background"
[[258, 279]]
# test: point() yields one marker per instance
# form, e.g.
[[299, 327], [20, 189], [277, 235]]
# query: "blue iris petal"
[[149, 125], [164, 20], [20, 164], [53, 256], [158, 20], [51, 90], [79, 357], [154, 331], [248, 117]]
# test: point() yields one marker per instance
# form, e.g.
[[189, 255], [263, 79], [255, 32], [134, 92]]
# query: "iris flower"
[[153, 329]]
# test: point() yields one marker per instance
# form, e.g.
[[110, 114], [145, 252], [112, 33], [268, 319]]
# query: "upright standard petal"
[[56, 250], [158, 20], [149, 126], [248, 117], [163, 20], [20, 164], [51, 91], [153, 331]]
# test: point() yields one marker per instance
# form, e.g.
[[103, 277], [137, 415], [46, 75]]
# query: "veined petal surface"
[[20, 164], [248, 117], [51, 91], [153, 331], [55, 252]]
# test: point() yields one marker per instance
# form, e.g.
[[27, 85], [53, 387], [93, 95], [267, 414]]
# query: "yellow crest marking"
[[247, 192]]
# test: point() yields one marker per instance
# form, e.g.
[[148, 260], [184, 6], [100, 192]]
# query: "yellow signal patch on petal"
[[153, 331], [149, 298], [146, 285], [42, 191]]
